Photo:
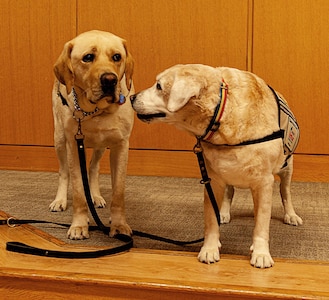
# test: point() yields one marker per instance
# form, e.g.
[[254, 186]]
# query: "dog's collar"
[[219, 109], [78, 112], [215, 124]]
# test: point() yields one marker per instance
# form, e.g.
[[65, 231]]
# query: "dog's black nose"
[[108, 82], [133, 98]]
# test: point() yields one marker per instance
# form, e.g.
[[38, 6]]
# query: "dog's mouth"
[[92, 102], [107, 98], [149, 117], [101, 101]]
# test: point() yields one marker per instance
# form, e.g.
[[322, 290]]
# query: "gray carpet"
[[173, 208]]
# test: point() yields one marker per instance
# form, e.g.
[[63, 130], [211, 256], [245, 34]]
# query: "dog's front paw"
[[225, 218], [79, 227], [209, 255], [58, 205], [261, 259], [99, 201], [78, 233], [294, 220], [120, 228]]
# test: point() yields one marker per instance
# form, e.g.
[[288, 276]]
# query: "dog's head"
[[178, 96], [94, 63]]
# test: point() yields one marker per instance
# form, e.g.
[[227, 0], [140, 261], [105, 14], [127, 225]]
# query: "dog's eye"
[[88, 58], [158, 86], [116, 57]]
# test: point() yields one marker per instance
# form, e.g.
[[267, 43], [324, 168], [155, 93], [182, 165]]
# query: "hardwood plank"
[[145, 274]]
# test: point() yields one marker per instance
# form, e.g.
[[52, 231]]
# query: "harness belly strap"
[[273, 136]]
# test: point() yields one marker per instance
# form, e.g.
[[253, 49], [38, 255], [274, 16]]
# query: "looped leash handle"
[[13, 222], [26, 249], [126, 239]]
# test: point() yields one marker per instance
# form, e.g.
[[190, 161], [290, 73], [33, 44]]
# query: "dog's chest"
[[241, 166], [104, 131], [102, 137]]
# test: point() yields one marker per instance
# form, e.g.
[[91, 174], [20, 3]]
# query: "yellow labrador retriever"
[[94, 75], [243, 147]]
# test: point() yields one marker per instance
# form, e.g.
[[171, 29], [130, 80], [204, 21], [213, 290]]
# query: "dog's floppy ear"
[[183, 89], [129, 69], [63, 67]]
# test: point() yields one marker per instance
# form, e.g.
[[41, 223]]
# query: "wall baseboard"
[[314, 168]]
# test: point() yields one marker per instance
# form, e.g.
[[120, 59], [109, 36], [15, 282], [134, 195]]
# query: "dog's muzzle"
[[145, 117], [108, 90]]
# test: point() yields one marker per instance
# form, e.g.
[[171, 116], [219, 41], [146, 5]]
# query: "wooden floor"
[[147, 274]]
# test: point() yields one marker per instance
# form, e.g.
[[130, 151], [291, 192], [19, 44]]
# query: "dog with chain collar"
[[93, 79]]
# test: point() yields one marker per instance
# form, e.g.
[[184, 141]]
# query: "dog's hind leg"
[[118, 162], [262, 197], [285, 174], [60, 202], [94, 178]]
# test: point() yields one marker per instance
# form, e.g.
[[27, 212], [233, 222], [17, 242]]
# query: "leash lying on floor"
[[126, 239]]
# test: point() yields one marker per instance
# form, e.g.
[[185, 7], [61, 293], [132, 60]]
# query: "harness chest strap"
[[215, 121]]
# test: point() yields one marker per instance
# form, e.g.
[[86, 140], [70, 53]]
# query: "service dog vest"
[[287, 123], [289, 129]]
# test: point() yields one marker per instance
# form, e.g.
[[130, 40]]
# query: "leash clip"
[[202, 181], [79, 135], [197, 147], [78, 115]]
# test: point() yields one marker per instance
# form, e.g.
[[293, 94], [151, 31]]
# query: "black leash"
[[26, 249], [126, 239]]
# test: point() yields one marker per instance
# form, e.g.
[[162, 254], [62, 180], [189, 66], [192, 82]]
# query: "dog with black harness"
[[234, 116]]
